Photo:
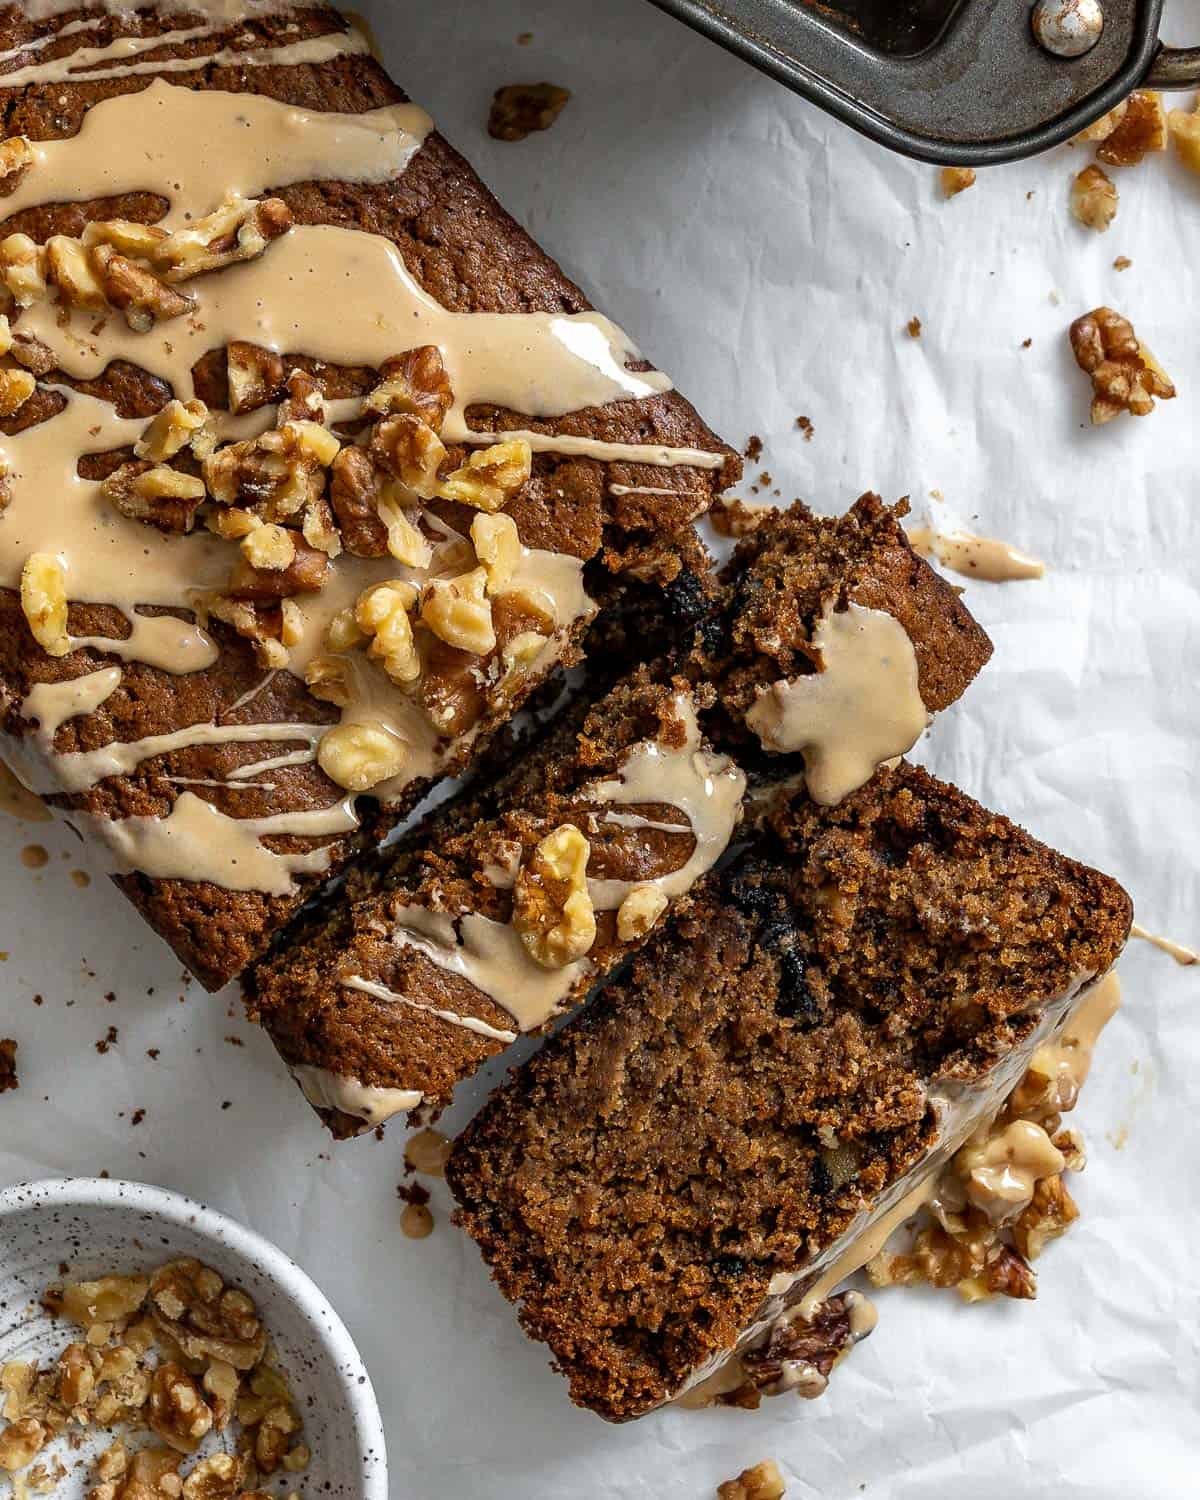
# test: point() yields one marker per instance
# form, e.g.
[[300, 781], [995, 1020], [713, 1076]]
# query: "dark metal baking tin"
[[951, 81]]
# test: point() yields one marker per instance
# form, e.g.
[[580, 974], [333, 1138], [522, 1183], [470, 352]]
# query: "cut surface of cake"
[[314, 461], [442, 953], [782, 1070]]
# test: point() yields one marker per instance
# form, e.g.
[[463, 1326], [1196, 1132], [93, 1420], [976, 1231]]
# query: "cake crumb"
[[762, 1482], [426, 1152], [34, 857], [914, 327], [81, 878], [518, 109], [806, 427], [754, 447], [524, 39], [956, 180], [1122, 263], [107, 1041], [8, 1064], [137, 1117]]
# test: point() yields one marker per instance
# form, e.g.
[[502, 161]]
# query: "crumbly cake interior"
[[254, 460], [765, 1071]]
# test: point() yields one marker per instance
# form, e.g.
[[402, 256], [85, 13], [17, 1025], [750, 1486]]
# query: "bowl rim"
[[177, 1208]]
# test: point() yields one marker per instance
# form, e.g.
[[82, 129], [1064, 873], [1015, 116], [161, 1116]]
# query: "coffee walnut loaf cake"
[[505, 908], [728, 1131], [314, 463]]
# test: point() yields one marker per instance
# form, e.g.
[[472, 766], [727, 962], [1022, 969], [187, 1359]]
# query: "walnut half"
[[1124, 376], [552, 908]]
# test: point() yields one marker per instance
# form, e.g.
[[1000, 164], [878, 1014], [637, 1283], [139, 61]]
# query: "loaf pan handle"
[[1175, 68]]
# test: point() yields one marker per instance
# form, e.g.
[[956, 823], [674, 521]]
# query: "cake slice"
[[432, 960], [315, 463], [732, 1128]]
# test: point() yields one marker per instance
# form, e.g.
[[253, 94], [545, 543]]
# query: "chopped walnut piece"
[[382, 613], [304, 401], [256, 376], [23, 269], [1142, 128], [343, 633], [416, 383], [361, 756], [155, 494], [355, 488], [639, 911], [1124, 376], [16, 158], [318, 529], [1185, 132], [1101, 129], [272, 1439], [306, 573], [208, 1320], [138, 293], [17, 1376], [76, 1377], [69, 268], [112, 1299], [497, 545], [458, 612], [240, 229], [1050, 1213], [44, 602], [272, 548], [762, 1482], [956, 180], [405, 541], [16, 387], [171, 430], [518, 109], [1094, 198], [221, 1476], [492, 477], [328, 678], [179, 1415], [409, 449], [20, 1443], [126, 236], [221, 1385], [31, 353], [552, 908], [153, 1474]]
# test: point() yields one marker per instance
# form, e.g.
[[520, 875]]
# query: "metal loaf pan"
[[962, 82]]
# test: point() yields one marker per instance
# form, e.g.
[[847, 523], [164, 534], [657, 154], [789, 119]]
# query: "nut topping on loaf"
[[326, 390]]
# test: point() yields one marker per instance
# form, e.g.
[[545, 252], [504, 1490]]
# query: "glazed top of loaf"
[[378, 380]]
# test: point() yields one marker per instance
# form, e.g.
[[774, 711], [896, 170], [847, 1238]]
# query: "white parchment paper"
[[770, 260]]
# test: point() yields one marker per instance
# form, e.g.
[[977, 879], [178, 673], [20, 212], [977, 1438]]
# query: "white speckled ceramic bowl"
[[96, 1226]]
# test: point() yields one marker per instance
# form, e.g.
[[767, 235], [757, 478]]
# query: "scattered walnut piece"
[[171, 430], [1142, 128], [1185, 132], [239, 230], [23, 269], [415, 382], [356, 487], [16, 387], [155, 494], [914, 332], [458, 612], [137, 292], [221, 1476], [1122, 263], [382, 613], [639, 911], [20, 1443], [44, 602], [492, 477], [8, 1065], [1125, 377], [497, 545], [518, 109], [762, 1482], [1050, 1213], [359, 756], [70, 269], [16, 158], [1094, 198], [409, 449], [256, 376], [956, 180], [552, 907], [1101, 129], [126, 236], [179, 1415], [305, 572]]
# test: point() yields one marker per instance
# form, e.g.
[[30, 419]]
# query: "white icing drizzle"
[[317, 49], [51, 704], [451, 1017], [162, 641], [972, 556], [297, 145], [491, 957], [248, 696], [707, 788], [862, 708], [374, 1106], [197, 842], [1182, 954]]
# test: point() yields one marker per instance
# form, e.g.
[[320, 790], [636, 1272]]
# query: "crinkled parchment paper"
[[770, 260]]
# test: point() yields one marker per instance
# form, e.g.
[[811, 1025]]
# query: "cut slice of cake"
[[782, 1072], [437, 957]]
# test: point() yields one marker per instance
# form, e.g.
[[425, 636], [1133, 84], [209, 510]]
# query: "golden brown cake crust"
[[469, 254], [639, 1182]]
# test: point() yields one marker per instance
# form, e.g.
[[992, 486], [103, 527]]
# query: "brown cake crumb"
[[137, 1117], [754, 447], [762, 1482], [914, 327], [956, 180], [8, 1064], [806, 427], [518, 109], [1122, 263], [107, 1041]]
